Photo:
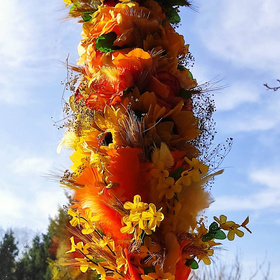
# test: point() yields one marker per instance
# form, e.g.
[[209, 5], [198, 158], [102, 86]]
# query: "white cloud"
[[261, 115], [244, 32], [27, 196], [47, 201], [234, 96], [267, 197], [16, 47], [31, 165], [22, 206], [269, 177], [11, 205], [15, 33], [30, 46]]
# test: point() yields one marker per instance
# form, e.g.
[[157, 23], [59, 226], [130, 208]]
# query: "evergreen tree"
[[8, 253], [33, 264]]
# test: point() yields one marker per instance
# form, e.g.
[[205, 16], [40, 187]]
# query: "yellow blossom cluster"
[[142, 217], [232, 227]]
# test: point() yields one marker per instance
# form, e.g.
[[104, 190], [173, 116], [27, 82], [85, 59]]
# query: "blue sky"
[[235, 40]]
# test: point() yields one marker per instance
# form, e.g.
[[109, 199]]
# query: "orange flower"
[[166, 87], [124, 19], [108, 81], [174, 127], [167, 40], [134, 61]]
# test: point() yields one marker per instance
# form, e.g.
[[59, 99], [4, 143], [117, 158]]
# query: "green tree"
[[33, 264], [8, 253]]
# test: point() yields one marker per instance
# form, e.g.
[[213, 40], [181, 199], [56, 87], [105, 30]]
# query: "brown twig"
[[272, 88]]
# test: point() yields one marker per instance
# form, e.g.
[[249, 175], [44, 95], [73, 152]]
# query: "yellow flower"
[[89, 217], [111, 127], [160, 172], [234, 231], [138, 224], [230, 226], [201, 230], [195, 163], [79, 246], [168, 188], [140, 228], [86, 263], [87, 222], [194, 173], [73, 246], [69, 2], [205, 256], [69, 140], [106, 242], [162, 157], [75, 217], [136, 206], [153, 216], [137, 219], [140, 220], [129, 227], [185, 180], [88, 228], [224, 224], [103, 132], [121, 260], [158, 275], [197, 169]]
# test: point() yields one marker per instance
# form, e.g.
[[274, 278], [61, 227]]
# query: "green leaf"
[[192, 264], [208, 236], [175, 2], [128, 90], [105, 42], [177, 173], [74, 6], [184, 93], [100, 232], [87, 16], [181, 67], [190, 74], [213, 227], [172, 15], [98, 260], [148, 270], [179, 2], [220, 235]]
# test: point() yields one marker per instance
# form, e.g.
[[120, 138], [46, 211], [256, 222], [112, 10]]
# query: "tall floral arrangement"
[[137, 124]]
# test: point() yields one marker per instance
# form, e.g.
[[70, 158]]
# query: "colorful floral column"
[[138, 181]]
